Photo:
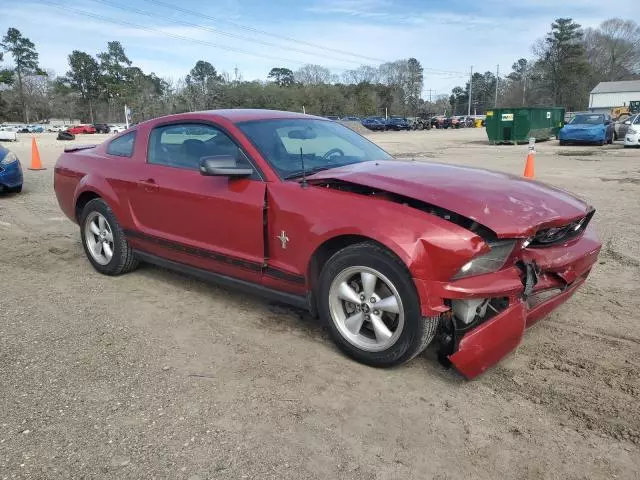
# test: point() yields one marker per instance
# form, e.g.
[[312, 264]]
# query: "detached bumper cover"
[[559, 272]]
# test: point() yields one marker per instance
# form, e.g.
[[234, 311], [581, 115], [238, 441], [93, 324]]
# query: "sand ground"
[[156, 375]]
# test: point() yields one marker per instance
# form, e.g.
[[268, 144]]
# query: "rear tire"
[[104, 241], [363, 328]]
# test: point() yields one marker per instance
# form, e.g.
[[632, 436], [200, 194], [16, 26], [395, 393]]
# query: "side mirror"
[[223, 166], [628, 122]]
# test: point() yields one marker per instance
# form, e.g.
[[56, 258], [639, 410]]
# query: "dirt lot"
[[157, 375]]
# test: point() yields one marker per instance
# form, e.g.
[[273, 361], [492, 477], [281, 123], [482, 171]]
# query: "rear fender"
[[99, 186]]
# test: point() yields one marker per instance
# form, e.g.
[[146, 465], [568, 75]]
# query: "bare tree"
[[313, 75], [613, 49]]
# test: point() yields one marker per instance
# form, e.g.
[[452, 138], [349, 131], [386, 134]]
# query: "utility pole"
[[430, 90], [495, 105], [470, 91]]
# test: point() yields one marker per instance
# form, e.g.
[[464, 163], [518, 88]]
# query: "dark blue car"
[[587, 128], [374, 123], [398, 123], [10, 171]]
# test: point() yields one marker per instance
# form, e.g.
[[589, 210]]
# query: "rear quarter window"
[[122, 146]]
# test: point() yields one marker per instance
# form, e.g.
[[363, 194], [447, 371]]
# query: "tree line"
[[567, 63]]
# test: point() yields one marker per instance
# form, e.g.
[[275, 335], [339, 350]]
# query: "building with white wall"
[[608, 95]]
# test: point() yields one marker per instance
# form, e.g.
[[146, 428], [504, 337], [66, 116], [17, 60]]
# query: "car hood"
[[510, 206]]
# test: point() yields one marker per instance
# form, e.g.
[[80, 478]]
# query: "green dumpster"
[[517, 125]]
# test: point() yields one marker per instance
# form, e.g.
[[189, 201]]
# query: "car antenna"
[[304, 175]]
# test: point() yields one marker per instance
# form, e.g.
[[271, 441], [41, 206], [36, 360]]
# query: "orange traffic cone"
[[529, 167], [36, 164]]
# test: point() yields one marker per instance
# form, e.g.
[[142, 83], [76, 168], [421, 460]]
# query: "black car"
[[398, 123], [101, 128]]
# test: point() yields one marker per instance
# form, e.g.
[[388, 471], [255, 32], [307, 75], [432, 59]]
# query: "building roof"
[[617, 87]]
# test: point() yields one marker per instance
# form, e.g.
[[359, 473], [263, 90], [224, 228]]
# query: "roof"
[[617, 87], [234, 115], [245, 114]]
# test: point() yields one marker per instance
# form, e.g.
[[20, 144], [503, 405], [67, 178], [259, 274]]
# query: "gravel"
[[154, 374]]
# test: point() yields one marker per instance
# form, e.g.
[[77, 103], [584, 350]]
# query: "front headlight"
[[633, 131], [9, 158], [489, 262]]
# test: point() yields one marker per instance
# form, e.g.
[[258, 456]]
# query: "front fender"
[[432, 248]]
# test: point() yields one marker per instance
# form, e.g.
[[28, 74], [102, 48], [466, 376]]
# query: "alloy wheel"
[[366, 308], [99, 238]]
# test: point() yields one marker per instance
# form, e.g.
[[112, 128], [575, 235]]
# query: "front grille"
[[564, 233]]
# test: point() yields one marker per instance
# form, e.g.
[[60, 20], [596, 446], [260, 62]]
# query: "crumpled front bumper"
[[560, 270]]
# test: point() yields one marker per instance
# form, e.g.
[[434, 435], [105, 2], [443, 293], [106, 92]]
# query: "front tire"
[[104, 241], [369, 301]]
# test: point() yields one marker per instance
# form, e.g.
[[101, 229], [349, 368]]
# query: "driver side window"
[[185, 145]]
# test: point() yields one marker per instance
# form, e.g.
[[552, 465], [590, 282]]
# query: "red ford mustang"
[[391, 254]]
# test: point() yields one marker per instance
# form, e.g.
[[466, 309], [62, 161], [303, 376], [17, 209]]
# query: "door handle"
[[149, 185]]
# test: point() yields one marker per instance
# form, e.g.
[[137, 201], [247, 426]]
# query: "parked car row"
[[8, 132], [441, 121]]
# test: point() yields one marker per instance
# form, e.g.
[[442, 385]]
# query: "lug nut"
[[362, 297], [373, 300], [366, 317], [376, 312]]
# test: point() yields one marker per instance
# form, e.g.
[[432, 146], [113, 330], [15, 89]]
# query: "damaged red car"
[[392, 255]]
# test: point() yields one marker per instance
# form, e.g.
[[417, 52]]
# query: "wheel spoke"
[[97, 248], [108, 251], [389, 304], [94, 228], [383, 334], [109, 236], [368, 283], [347, 293], [101, 222], [354, 322]]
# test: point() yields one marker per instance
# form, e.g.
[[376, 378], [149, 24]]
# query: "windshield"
[[324, 145], [587, 119]]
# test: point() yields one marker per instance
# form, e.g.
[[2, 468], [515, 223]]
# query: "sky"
[[167, 37]]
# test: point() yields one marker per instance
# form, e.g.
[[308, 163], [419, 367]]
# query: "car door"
[[214, 223]]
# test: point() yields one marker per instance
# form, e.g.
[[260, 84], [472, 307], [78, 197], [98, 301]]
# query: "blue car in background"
[[10, 171], [374, 123], [587, 128]]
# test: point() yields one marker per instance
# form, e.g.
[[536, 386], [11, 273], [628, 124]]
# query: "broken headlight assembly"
[[489, 262]]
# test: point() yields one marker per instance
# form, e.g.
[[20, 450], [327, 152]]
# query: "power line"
[[217, 31], [262, 32], [77, 11], [284, 37]]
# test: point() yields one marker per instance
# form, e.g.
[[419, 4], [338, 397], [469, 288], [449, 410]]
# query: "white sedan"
[[9, 133], [632, 137]]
